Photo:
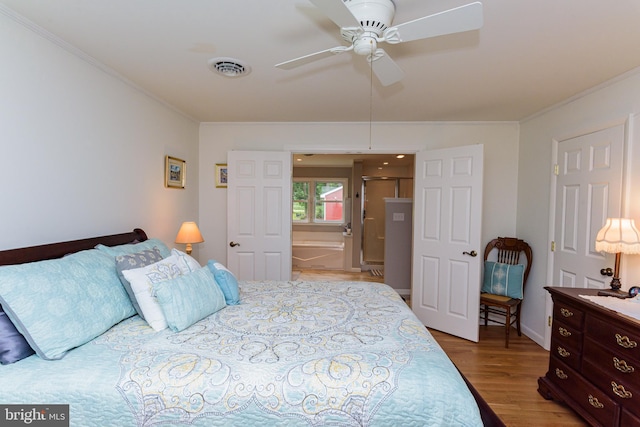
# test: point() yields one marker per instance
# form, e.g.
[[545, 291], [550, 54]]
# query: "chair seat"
[[492, 298]]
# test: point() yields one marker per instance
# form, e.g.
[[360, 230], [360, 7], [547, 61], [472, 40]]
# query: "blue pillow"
[[227, 282], [131, 248], [63, 303], [189, 298], [13, 346], [503, 279], [136, 260]]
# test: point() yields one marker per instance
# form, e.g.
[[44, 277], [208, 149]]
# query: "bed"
[[290, 353]]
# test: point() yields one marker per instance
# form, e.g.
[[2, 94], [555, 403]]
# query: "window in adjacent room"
[[318, 201]]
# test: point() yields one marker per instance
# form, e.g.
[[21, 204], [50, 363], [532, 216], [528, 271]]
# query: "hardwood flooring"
[[337, 275], [506, 378]]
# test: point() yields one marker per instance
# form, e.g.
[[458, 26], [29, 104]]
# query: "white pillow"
[[188, 260], [142, 280]]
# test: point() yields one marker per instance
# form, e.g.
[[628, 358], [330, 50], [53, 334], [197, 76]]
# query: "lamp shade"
[[189, 233], [619, 235]]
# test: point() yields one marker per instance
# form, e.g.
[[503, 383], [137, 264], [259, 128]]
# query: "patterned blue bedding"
[[291, 354]]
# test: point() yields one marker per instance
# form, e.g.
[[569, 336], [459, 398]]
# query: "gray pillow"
[[13, 346], [136, 260]]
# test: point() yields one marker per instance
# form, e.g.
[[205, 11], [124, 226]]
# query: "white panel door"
[[588, 190], [259, 215], [447, 257]]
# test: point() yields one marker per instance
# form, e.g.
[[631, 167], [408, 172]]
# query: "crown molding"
[[79, 53]]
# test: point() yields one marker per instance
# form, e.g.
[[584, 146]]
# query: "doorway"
[[385, 175], [457, 232], [374, 191]]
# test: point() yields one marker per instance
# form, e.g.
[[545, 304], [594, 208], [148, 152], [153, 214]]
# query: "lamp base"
[[615, 282], [613, 293]]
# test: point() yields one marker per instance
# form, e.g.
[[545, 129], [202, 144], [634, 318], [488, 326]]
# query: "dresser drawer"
[[593, 400], [567, 354], [620, 341], [619, 387], [611, 362], [566, 335], [568, 314], [627, 419]]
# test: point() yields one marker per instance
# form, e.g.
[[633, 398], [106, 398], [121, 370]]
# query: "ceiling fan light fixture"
[[365, 45], [229, 67]]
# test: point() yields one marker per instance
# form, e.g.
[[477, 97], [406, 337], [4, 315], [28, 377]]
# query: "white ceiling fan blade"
[[337, 12], [293, 63], [386, 69], [459, 19]]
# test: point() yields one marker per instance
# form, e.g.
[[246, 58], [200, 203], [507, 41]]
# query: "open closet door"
[[447, 258], [259, 215]]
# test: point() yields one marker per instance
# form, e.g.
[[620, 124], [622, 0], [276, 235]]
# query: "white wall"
[[601, 107], [83, 152], [500, 153]]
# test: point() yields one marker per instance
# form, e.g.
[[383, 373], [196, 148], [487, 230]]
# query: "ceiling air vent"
[[229, 67]]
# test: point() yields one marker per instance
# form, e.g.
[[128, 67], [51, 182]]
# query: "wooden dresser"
[[594, 364]]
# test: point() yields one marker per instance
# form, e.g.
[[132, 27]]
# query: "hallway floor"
[[337, 275]]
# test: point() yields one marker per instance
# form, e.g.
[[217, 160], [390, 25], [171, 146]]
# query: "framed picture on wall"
[[175, 172], [221, 175]]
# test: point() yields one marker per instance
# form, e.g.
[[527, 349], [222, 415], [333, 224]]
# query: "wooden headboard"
[[58, 250]]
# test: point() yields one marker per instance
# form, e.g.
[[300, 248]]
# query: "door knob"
[[472, 253], [606, 272], [233, 244]]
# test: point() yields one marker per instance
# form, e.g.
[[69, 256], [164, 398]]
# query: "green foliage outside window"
[[300, 201], [321, 199]]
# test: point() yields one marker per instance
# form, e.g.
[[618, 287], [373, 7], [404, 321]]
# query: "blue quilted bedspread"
[[291, 354]]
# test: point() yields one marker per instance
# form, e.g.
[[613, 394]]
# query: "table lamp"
[[618, 236], [188, 234]]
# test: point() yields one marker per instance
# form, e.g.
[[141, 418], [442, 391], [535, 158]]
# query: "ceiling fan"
[[365, 23]]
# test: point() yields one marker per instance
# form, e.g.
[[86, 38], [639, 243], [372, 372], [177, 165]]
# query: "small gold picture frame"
[[175, 172], [221, 175]]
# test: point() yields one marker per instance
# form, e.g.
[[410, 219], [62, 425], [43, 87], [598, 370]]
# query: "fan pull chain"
[[371, 95]]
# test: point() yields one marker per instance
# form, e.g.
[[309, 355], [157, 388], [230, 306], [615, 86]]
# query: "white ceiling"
[[529, 55]]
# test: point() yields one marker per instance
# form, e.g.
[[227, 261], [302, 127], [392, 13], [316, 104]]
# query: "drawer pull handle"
[[622, 366], [564, 332], [620, 391], [595, 402], [563, 352], [624, 341], [566, 313], [560, 374]]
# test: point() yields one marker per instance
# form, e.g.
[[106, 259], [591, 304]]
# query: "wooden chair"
[[509, 251]]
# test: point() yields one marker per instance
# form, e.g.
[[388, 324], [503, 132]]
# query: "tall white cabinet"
[[397, 244]]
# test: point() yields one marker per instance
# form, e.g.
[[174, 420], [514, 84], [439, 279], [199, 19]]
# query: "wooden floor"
[[506, 378], [337, 275]]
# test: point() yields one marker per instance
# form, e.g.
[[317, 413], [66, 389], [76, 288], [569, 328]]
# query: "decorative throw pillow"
[[63, 303], [13, 346], [142, 281], [189, 298], [131, 248], [188, 260], [227, 282], [503, 279], [136, 260]]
